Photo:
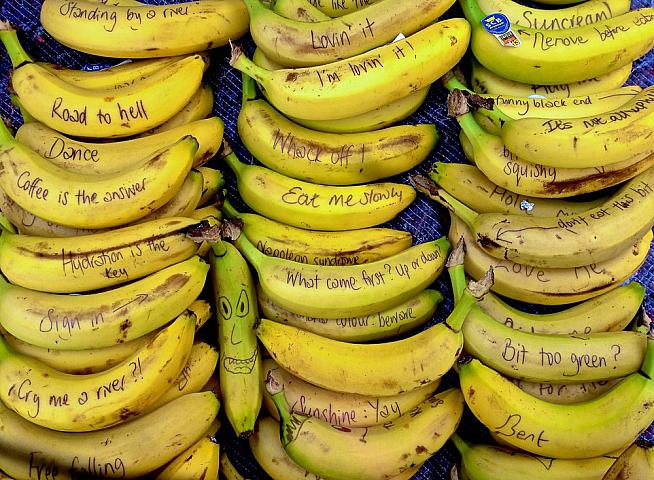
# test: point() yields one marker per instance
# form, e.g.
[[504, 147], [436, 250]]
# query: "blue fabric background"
[[424, 219]]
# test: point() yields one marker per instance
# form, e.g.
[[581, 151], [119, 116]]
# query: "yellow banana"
[[329, 158], [108, 158], [389, 368], [199, 461], [565, 393], [198, 107], [551, 286], [300, 10], [92, 201], [206, 212], [103, 113], [340, 7], [348, 290], [385, 324], [341, 409], [487, 462], [342, 89], [469, 185], [635, 463], [382, 116], [300, 43], [76, 403], [352, 247], [562, 56], [144, 31], [582, 430], [515, 174], [609, 312], [378, 452], [78, 322], [593, 236], [111, 453], [586, 13], [212, 182], [80, 264], [487, 82], [235, 301], [318, 207]]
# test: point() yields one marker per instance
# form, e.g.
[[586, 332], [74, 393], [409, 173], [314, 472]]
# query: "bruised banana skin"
[[92, 402], [160, 33], [341, 409], [318, 207], [551, 286], [351, 290], [486, 82], [77, 322], [331, 159], [509, 171], [107, 158], [384, 324], [563, 56], [469, 185], [80, 264], [349, 247], [315, 94], [584, 430], [116, 452], [302, 44]]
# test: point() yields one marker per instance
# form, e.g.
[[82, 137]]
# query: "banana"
[[389, 368], [235, 300], [77, 403], [609, 312], [562, 56], [352, 247], [509, 171], [93, 360], [102, 113], [381, 117], [80, 264], [212, 182], [348, 290], [377, 452], [551, 286], [340, 7], [586, 13], [198, 107], [97, 320], [342, 89], [269, 452], [566, 393], [302, 44], [111, 453], [616, 135], [110, 158], [206, 212], [341, 409], [92, 201], [300, 10], [593, 236], [183, 203], [385, 324], [329, 158], [487, 462], [198, 461], [144, 31], [469, 185], [635, 463], [486, 82], [582, 430], [318, 207]]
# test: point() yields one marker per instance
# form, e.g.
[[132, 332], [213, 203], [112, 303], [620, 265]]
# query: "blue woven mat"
[[424, 219]]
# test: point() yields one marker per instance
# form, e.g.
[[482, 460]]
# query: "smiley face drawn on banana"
[[236, 315]]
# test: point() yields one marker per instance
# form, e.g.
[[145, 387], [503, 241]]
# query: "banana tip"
[[273, 387], [237, 51], [457, 255]]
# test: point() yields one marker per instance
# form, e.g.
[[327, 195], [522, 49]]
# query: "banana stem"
[[242, 63], [9, 39], [648, 362], [249, 88], [27, 116], [473, 292], [460, 444], [234, 163], [218, 249], [229, 209], [472, 12], [433, 191], [276, 392], [6, 138], [456, 270], [495, 115], [249, 251], [5, 224], [453, 83]]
